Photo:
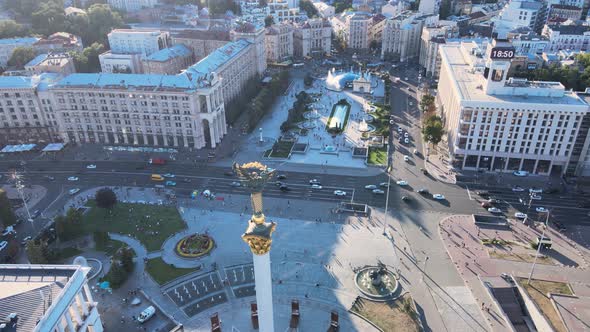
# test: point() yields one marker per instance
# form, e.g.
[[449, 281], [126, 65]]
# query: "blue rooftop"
[[37, 60], [217, 58], [19, 41], [170, 53], [127, 81], [15, 82]]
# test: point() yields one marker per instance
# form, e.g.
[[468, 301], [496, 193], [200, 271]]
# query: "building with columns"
[[500, 123], [47, 298], [312, 37], [402, 35], [279, 42]]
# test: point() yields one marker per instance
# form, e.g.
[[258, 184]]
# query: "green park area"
[[163, 272], [377, 156]]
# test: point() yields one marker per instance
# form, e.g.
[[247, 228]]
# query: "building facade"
[[138, 41], [168, 61], [48, 298], [132, 5], [402, 35], [505, 124], [59, 42], [324, 9], [430, 40], [572, 37], [312, 37], [561, 13], [201, 42], [120, 63], [357, 30], [281, 11], [8, 45], [278, 42], [58, 63]]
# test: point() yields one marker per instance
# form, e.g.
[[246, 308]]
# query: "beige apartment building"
[[279, 42]]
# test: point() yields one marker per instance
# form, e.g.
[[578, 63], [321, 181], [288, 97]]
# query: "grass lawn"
[[163, 273], [111, 247], [133, 219], [377, 156], [395, 315], [538, 290], [520, 257], [281, 149]]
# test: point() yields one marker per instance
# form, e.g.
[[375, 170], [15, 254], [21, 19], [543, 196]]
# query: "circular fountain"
[[338, 81], [364, 127], [376, 282]]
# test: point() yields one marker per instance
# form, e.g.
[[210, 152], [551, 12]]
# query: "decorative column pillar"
[[258, 235], [82, 304]]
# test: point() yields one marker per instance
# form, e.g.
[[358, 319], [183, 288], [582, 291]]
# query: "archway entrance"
[[207, 133]]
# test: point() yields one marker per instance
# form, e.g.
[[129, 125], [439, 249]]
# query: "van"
[[157, 177], [544, 241], [146, 314]]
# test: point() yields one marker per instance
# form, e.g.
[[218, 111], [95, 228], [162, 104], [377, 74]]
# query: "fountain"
[[337, 82], [376, 282], [364, 127]]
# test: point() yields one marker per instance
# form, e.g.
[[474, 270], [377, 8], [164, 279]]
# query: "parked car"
[[438, 197], [74, 191], [146, 314], [406, 159], [406, 198], [3, 245], [535, 190], [541, 209], [422, 191], [402, 183], [520, 215], [482, 193], [407, 140], [424, 171], [384, 184], [35, 214], [8, 230], [536, 197], [494, 210], [486, 205], [378, 192], [314, 181], [26, 239]]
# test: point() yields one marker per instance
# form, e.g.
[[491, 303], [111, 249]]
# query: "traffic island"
[[194, 246]]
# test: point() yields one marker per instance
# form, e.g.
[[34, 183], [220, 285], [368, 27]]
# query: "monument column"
[[258, 235]]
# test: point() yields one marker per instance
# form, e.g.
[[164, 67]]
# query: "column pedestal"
[[263, 282]]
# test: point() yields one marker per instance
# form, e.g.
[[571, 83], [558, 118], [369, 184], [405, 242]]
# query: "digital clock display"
[[502, 53]]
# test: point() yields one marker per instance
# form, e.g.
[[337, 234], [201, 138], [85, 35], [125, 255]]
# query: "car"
[[541, 209], [494, 201], [314, 181], [416, 152], [406, 135], [520, 173], [406, 159], [146, 314], [236, 184], [424, 171], [50, 178], [339, 193], [35, 214], [371, 186], [438, 197], [73, 178], [8, 230], [406, 140], [169, 175], [186, 180], [316, 186], [536, 197], [405, 198], [378, 192], [486, 205], [91, 166], [3, 245], [74, 191], [285, 188], [422, 191], [399, 130], [520, 215], [482, 192], [494, 210], [517, 189], [406, 79], [170, 183], [535, 190], [26, 239], [384, 184], [402, 183], [281, 177]]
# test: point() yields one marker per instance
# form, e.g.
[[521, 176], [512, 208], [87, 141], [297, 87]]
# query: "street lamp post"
[[19, 188], [387, 200], [539, 245]]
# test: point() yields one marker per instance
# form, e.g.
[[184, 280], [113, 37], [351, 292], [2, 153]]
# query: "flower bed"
[[195, 245]]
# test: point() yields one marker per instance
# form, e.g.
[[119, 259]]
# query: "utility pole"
[[539, 245]]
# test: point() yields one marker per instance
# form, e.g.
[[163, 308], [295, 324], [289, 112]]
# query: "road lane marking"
[[469, 194]]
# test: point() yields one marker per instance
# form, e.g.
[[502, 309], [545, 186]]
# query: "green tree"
[[308, 7], [445, 9], [126, 257], [7, 216], [23, 7], [269, 20], [433, 129], [87, 60], [342, 5], [106, 198], [101, 20], [49, 18], [220, 7], [78, 25], [11, 29], [21, 55], [37, 252], [427, 103]]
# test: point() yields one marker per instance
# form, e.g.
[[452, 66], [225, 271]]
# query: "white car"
[[3, 245], [407, 140], [74, 191], [517, 189], [314, 181], [494, 210], [520, 173], [339, 193], [536, 197], [405, 78], [415, 151], [520, 215], [371, 186], [536, 190], [169, 175], [541, 209], [399, 130], [26, 239], [402, 183], [378, 192], [406, 135], [73, 178], [146, 314], [91, 166], [406, 158], [384, 184], [438, 197], [316, 186]]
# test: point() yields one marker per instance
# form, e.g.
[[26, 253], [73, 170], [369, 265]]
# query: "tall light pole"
[[539, 245], [387, 199], [19, 188]]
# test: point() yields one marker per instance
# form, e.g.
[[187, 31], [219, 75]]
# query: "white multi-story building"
[[132, 5], [505, 124], [393, 8], [572, 37], [169, 61], [24, 117], [120, 63], [432, 37], [528, 43], [325, 10], [402, 33], [281, 10], [278, 42], [8, 45], [429, 7], [47, 298], [312, 37], [520, 13], [138, 41], [561, 13], [254, 34], [357, 30]]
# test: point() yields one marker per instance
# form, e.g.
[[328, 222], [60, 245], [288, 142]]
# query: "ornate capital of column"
[[258, 235]]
